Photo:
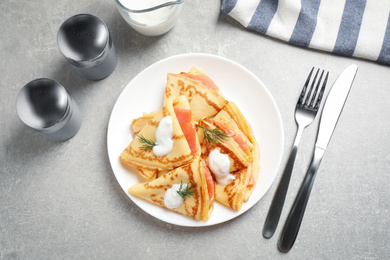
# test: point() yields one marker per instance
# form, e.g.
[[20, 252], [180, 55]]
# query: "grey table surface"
[[62, 200]]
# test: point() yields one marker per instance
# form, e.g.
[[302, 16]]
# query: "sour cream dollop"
[[219, 164], [172, 199], [164, 134]]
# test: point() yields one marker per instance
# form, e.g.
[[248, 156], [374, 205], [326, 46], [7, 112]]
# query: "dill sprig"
[[147, 143], [213, 136], [185, 191]]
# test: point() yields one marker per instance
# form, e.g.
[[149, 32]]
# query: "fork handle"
[[277, 203], [294, 219], [275, 210]]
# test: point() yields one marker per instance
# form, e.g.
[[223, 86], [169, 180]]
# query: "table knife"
[[330, 115]]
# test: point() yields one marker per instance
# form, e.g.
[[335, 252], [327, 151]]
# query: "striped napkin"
[[358, 28]]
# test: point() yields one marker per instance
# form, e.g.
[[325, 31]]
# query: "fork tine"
[[311, 89], [313, 98], [303, 92], [321, 94]]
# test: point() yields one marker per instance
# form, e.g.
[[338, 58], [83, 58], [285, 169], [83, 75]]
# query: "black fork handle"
[[294, 219], [277, 203]]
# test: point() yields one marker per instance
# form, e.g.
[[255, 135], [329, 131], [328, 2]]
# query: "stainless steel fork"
[[306, 110]]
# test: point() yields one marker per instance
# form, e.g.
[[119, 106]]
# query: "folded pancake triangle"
[[244, 158], [197, 206], [146, 162], [204, 101]]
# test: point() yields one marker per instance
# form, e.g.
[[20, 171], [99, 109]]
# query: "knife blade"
[[334, 105], [331, 112]]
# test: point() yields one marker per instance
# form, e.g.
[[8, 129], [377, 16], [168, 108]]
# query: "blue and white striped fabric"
[[358, 28]]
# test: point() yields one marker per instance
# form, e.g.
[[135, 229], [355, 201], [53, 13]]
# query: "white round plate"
[[145, 93]]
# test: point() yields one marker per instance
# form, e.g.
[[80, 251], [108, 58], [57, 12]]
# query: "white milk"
[[151, 23]]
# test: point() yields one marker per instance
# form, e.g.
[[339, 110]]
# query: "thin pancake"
[[138, 123], [233, 193], [236, 114], [146, 162], [238, 191], [255, 169], [204, 101], [238, 158], [197, 206]]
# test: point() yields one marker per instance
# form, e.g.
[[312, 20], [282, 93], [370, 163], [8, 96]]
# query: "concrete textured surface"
[[62, 201]]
